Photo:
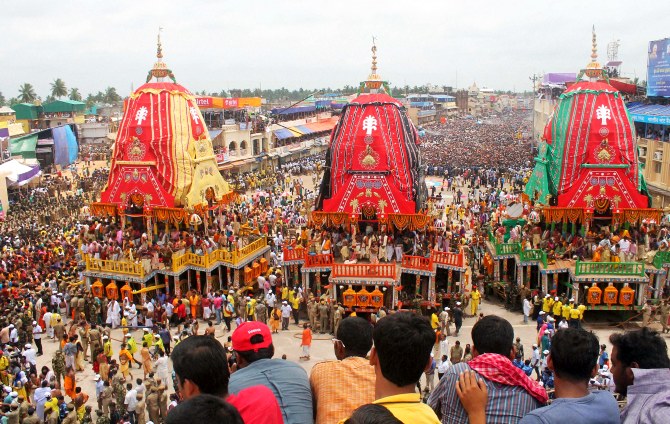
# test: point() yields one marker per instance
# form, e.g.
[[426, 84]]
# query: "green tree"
[[27, 93], [12, 101], [58, 88], [75, 94], [111, 96], [2, 99]]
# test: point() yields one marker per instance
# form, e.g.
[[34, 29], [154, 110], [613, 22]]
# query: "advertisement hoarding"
[[658, 68]]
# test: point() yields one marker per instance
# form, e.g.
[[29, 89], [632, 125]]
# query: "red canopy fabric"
[[373, 160]]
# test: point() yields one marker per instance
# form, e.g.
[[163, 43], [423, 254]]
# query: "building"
[[48, 115], [652, 125], [429, 108]]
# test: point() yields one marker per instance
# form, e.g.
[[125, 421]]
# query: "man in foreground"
[[511, 393], [341, 386], [574, 360], [401, 353], [201, 367], [640, 369], [252, 343]]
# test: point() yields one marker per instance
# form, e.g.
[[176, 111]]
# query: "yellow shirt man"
[[557, 308], [547, 304], [566, 311], [434, 321], [408, 408], [581, 309]]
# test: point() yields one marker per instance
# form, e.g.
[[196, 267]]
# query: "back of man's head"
[[356, 336], [202, 361], [644, 347], [493, 334], [204, 409], [403, 342], [574, 353]]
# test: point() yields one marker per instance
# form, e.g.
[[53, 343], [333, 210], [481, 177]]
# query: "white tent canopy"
[[13, 170]]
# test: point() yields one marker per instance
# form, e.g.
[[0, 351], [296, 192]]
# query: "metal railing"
[[417, 262], [611, 268], [661, 258], [114, 267], [534, 255], [318, 260], [364, 270], [179, 262], [448, 258]]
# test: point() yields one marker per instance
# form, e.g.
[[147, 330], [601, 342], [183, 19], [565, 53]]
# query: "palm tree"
[[111, 96], [2, 99], [75, 94], [27, 93], [58, 88]]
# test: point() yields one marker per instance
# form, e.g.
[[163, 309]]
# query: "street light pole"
[[534, 79]]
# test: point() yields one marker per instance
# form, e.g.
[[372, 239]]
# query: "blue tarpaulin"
[[65, 145], [650, 114], [283, 133]]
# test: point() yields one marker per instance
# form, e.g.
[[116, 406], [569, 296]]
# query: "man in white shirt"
[[270, 299], [131, 401], [47, 324], [37, 336], [442, 366], [31, 357]]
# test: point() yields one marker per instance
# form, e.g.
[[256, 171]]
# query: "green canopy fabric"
[[24, 146], [538, 184]]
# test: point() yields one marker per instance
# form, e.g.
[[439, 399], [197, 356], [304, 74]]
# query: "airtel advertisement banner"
[[205, 102]]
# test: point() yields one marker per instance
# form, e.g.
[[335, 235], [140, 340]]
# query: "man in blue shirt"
[[252, 343], [573, 360]]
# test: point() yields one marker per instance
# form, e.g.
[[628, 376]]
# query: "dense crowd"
[[383, 358], [468, 143]]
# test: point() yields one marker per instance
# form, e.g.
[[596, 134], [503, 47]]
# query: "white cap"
[[605, 368], [11, 325], [146, 330], [447, 309], [572, 299], [34, 322], [547, 295], [96, 377], [458, 303], [534, 345], [546, 352], [29, 346], [128, 336], [541, 313], [556, 299], [105, 337], [547, 332]]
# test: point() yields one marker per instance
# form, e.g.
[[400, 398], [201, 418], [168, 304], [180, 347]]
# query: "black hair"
[[493, 334], [202, 360], [356, 335], [403, 342], [204, 409], [574, 353], [372, 414], [644, 347]]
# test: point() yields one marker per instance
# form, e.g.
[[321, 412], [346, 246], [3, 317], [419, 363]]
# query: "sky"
[[222, 44]]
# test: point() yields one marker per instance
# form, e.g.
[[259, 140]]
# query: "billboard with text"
[[658, 68]]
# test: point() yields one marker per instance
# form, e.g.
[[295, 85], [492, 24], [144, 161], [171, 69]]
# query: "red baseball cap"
[[243, 334]]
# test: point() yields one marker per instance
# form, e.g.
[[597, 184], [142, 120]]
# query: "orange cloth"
[[69, 386], [339, 387], [306, 337]]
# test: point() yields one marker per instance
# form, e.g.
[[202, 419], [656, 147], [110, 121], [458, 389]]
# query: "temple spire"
[[160, 69], [374, 81], [593, 70]]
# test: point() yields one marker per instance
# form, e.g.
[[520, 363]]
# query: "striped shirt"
[[505, 405]]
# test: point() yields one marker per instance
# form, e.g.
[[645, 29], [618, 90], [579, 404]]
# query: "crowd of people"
[[466, 143], [381, 362]]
